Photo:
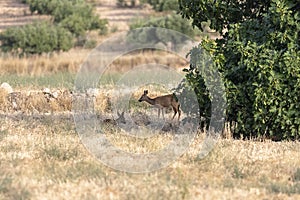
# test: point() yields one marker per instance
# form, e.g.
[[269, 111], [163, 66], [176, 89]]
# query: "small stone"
[[7, 87]]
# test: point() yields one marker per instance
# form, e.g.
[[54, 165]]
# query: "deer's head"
[[121, 118], [144, 96]]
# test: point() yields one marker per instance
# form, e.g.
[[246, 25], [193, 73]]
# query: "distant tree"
[[172, 21], [127, 3], [163, 5]]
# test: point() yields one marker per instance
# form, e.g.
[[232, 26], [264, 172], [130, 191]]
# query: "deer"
[[120, 119], [163, 102]]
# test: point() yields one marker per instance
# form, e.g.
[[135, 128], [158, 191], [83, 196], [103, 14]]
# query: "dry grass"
[[35, 102], [102, 103], [45, 159], [130, 61], [71, 62], [3, 99], [156, 142], [44, 64], [42, 157]]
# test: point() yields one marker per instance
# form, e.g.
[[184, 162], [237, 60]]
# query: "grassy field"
[[42, 156]]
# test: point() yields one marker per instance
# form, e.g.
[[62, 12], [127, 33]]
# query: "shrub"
[[90, 44], [37, 38], [163, 5], [172, 21], [75, 23], [43, 7], [86, 43], [78, 24], [127, 3], [70, 18], [75, 15]]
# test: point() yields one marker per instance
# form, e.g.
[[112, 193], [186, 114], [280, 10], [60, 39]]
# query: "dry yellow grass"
[[44, 64], [156, 142], [35, 102], [102, 103], [71, 62], [42, 157], [3, 99], [45, 159], [130, 61]]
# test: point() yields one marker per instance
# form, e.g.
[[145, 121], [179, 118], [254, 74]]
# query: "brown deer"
[[120, 119], [163, 102]]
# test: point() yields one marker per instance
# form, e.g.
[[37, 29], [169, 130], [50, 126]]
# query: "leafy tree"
[[259, 60]]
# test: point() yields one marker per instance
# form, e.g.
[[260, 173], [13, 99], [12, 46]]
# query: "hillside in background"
[[15, 13]]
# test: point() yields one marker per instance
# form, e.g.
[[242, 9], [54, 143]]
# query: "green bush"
[[75, 23], [85, 42], [259, 60], [78, 25], [75, 15], [36, 38], [42, 7], [163, 5], [90, 44], [172, 21], [127, 3], [70, 18]]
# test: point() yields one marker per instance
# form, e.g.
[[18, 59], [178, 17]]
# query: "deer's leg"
[[175, 112], [179, 113], [162, 111], [158, 112]]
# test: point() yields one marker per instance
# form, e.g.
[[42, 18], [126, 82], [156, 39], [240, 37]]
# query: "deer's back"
[[165, 100]]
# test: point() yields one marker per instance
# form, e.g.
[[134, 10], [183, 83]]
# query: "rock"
[[7, 87], [55, 94], [48, 94], [46, 90]]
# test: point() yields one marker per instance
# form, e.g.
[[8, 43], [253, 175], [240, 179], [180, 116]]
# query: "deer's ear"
[[118, 113], [145, 91]]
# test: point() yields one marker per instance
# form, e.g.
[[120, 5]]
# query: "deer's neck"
[[150, 101]]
